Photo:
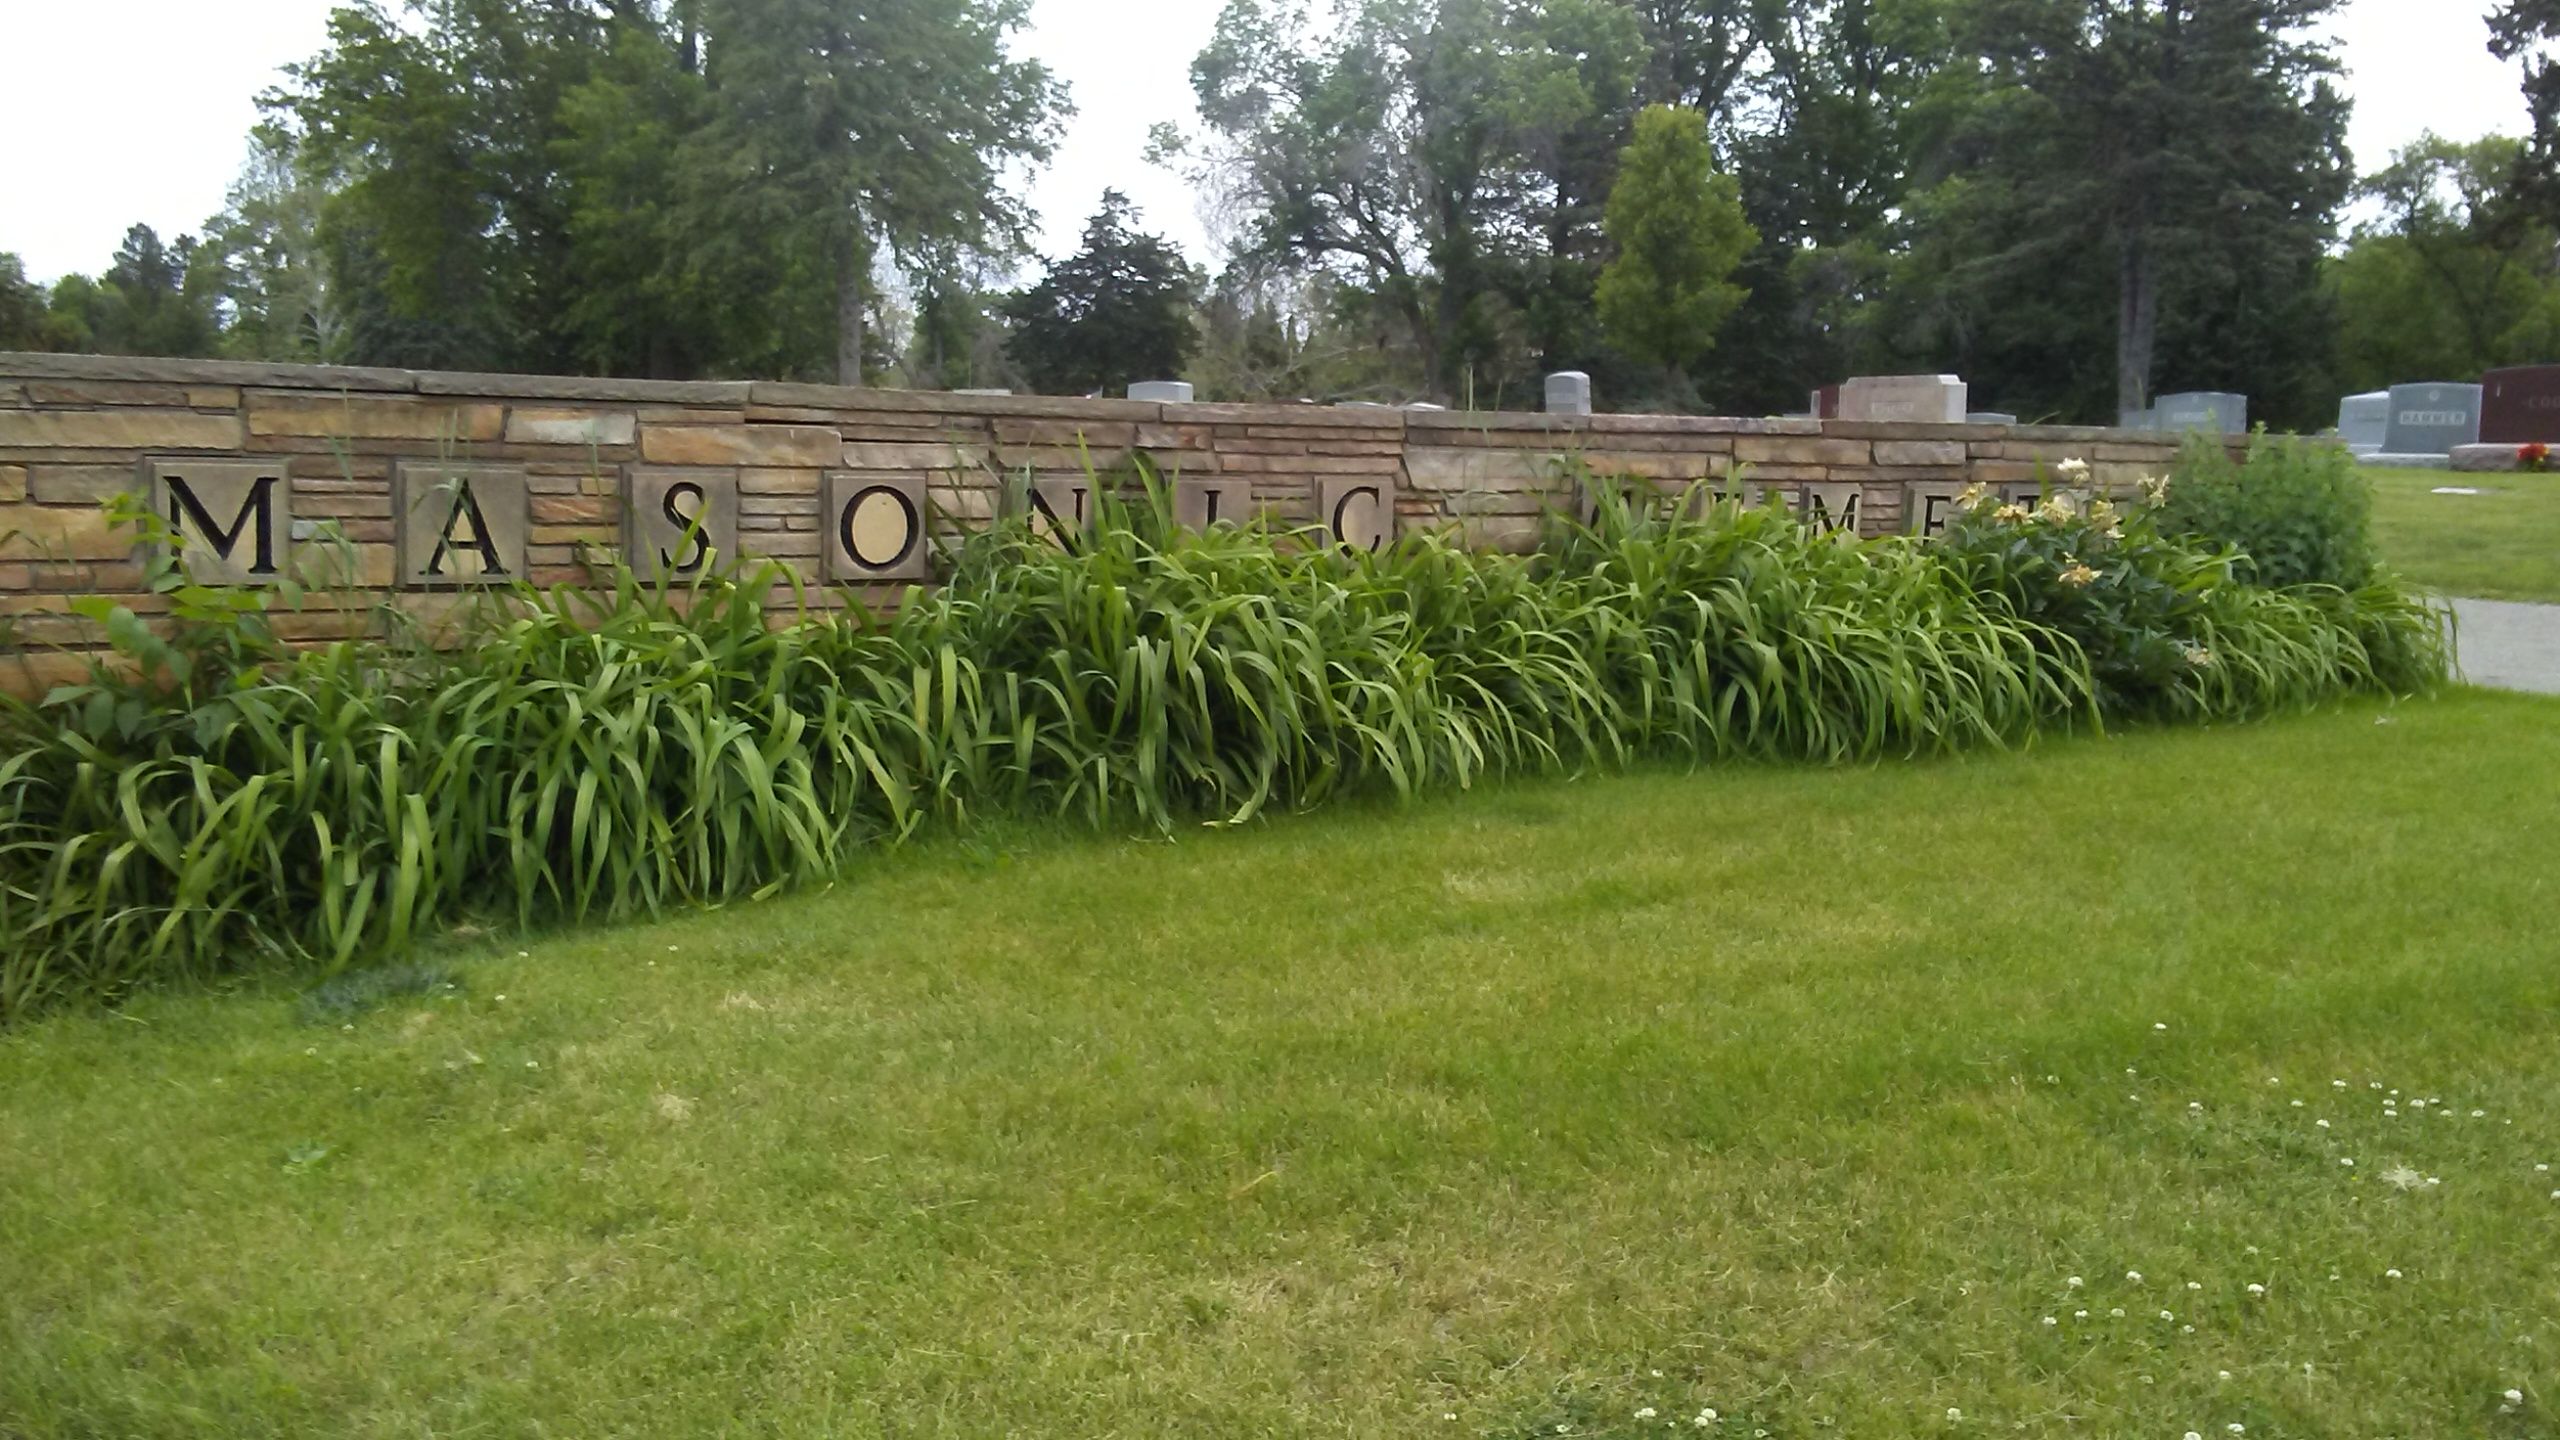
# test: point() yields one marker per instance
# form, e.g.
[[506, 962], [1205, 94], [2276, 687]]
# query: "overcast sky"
[[117, 111]]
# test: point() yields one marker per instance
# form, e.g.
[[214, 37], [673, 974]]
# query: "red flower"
[[2536, 456]]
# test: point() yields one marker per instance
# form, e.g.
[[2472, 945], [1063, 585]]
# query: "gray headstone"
[[1990, 417], [2432, 418], [2364, 421], [1918, 399], [1171, 392], [2215, 412], [2136, 420], [1568, 393]]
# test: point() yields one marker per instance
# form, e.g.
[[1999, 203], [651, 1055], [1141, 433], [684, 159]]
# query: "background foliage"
[[2073, 203]]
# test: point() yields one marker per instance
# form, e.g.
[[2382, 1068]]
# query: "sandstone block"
[[60, 533], [1800, 450], [598, 428], [789, 445], [13, 484], [132, 428], [892, 456], [1920, 452], [353, 417]]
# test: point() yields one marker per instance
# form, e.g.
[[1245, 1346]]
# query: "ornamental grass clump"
[[213, 799]]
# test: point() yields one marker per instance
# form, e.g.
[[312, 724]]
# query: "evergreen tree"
[[1680, 232], [1117, 310], [22, 307], [2111, 190]]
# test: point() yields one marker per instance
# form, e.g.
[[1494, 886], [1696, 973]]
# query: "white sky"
[[117, 111]]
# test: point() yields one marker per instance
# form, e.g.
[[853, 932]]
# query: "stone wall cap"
[[578, 387], [27, 365]]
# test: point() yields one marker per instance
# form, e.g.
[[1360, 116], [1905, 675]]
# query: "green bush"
[[2298, 510], [598, 756]]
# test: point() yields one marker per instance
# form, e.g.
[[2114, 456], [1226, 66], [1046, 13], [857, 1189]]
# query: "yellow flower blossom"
[[1973, 495], [2078, 575], [2010, 514], [2072, 469], [2155, 490]]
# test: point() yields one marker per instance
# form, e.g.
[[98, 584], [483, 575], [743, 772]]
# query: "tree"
[[1117, 310], [839, 131], [2523, 29], [274, 282], [1427, 153], [22, 306], [1679, 230], [2174, 166], [2451, 280]]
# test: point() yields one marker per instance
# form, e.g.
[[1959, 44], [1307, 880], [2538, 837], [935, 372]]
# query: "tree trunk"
[[2137, 322], [851, 272]]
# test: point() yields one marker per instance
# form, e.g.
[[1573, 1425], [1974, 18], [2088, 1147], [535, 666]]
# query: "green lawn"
[[1802, 1095], [2504, 545]]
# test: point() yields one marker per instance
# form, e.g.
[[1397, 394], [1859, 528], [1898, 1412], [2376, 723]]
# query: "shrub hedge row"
[[221, 800]]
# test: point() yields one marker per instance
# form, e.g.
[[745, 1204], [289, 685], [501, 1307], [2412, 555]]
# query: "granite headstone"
[[2432, 418], [2364, 421], [1568, 393], [1915, 399], [2520, 406], [2216, 412]]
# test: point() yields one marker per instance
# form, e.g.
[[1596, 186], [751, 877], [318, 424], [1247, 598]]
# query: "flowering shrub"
[[2164, 623]]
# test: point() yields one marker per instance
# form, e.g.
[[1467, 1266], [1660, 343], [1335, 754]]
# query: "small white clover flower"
[[1954, 1414], [2221, 1374], [2079, 1314], [2297, 1104], [2134, 1275], [2479, 1114], [2049, 1320], [2515, 1397], [2195, 1104], [2117, 1313], [2338, 1084], [2165, 1315], [2256, 1289], [2195, 1284], [2073, 1282], [2191, 1435], [2323, 1124], [2158, 1025], [1646, 1413], [2346, 1161], [2236, 1428], [1707, 1416], [2390, 1274], [2542, 1169]]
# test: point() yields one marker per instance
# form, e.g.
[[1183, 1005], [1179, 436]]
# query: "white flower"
[[2134, 1275], [2195, 1284], [2221, 1374], [2323, 1124], [2049, 1320], [1645, 1414], [1954, 1414], [2165, 1315], [2338, 1084], [1452, 1415], [2273, 1080], [2541, 1169], [2343, 1160], [2515, 1397], [2236, 1428], [2074, 468], [2195, 1104], [2073, 1282], [2390, 1274], [2255, 1289], [2479, 1114], [2116, 1314], [1705, 1419], [2079, 1314], [1562, 1428], [2297, 1104], [2157, 1025], [2191, 1435]]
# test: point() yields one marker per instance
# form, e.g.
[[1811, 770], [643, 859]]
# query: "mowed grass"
[[1798, 1094], [2502, 545]]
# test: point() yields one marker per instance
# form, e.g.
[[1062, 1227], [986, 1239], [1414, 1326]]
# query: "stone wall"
[[426, 484]]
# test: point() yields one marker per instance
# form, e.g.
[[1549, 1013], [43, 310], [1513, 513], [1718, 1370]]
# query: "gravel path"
[[2509, 646]]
